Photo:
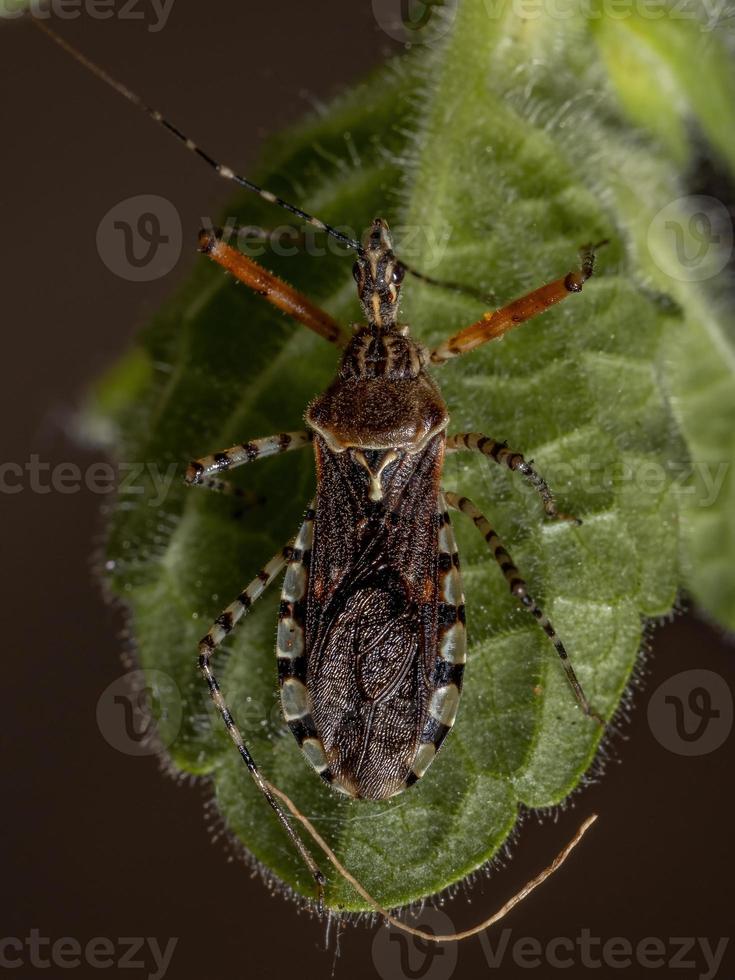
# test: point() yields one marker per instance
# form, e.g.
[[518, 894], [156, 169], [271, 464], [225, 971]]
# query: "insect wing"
[[363, 617]]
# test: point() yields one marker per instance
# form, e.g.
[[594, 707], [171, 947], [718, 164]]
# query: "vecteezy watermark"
[[698, 954], [414, 243], [153, 13], [397, 955], [691, 239], [415, 21], [699, 482], [140, 238], [126, 479], [427, 21], [141, 712], [101, 953], [691, 713], [707, 14]]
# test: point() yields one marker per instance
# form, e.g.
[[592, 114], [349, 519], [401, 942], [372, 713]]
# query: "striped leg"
[[200, 470], [499, 452], [223, 625], [519, 589], [228, 489], [497, 323]]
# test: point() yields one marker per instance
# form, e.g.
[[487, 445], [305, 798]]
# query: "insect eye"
[[398, 273], [356, 271]]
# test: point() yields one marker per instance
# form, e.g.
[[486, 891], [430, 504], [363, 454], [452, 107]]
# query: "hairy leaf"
[[13, 8], [494, 152]]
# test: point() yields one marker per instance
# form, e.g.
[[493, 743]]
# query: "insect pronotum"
[[371, 642]]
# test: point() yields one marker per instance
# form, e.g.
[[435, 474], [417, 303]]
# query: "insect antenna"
[[224, 171], [488, 299], [228, 173]]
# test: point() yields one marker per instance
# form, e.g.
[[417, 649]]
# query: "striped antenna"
[[227, 172]]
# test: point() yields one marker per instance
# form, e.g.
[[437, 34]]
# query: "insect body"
[[373, 606], [371, 640], [371, 635]]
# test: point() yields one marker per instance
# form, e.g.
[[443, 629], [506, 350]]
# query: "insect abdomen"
[[290, 648], [451, 649], [379, 743]]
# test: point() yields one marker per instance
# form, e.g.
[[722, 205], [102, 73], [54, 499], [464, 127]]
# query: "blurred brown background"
[[97, 843]]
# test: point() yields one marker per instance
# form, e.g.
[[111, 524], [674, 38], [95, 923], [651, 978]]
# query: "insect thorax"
[[381, 399]]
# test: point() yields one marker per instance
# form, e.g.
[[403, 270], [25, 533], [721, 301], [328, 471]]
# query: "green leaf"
[[671, 68], [494, 152], [11, 9]]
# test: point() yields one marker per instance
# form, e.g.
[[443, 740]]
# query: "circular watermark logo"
[[415, 21], [691, 239], [140, 238], [400, 956], [691, 713], [140, 712]]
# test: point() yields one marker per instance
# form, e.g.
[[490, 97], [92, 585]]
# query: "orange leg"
[[275, 290], [497, 323]]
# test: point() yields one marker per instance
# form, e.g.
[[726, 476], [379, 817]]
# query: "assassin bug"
[[371, 642]]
